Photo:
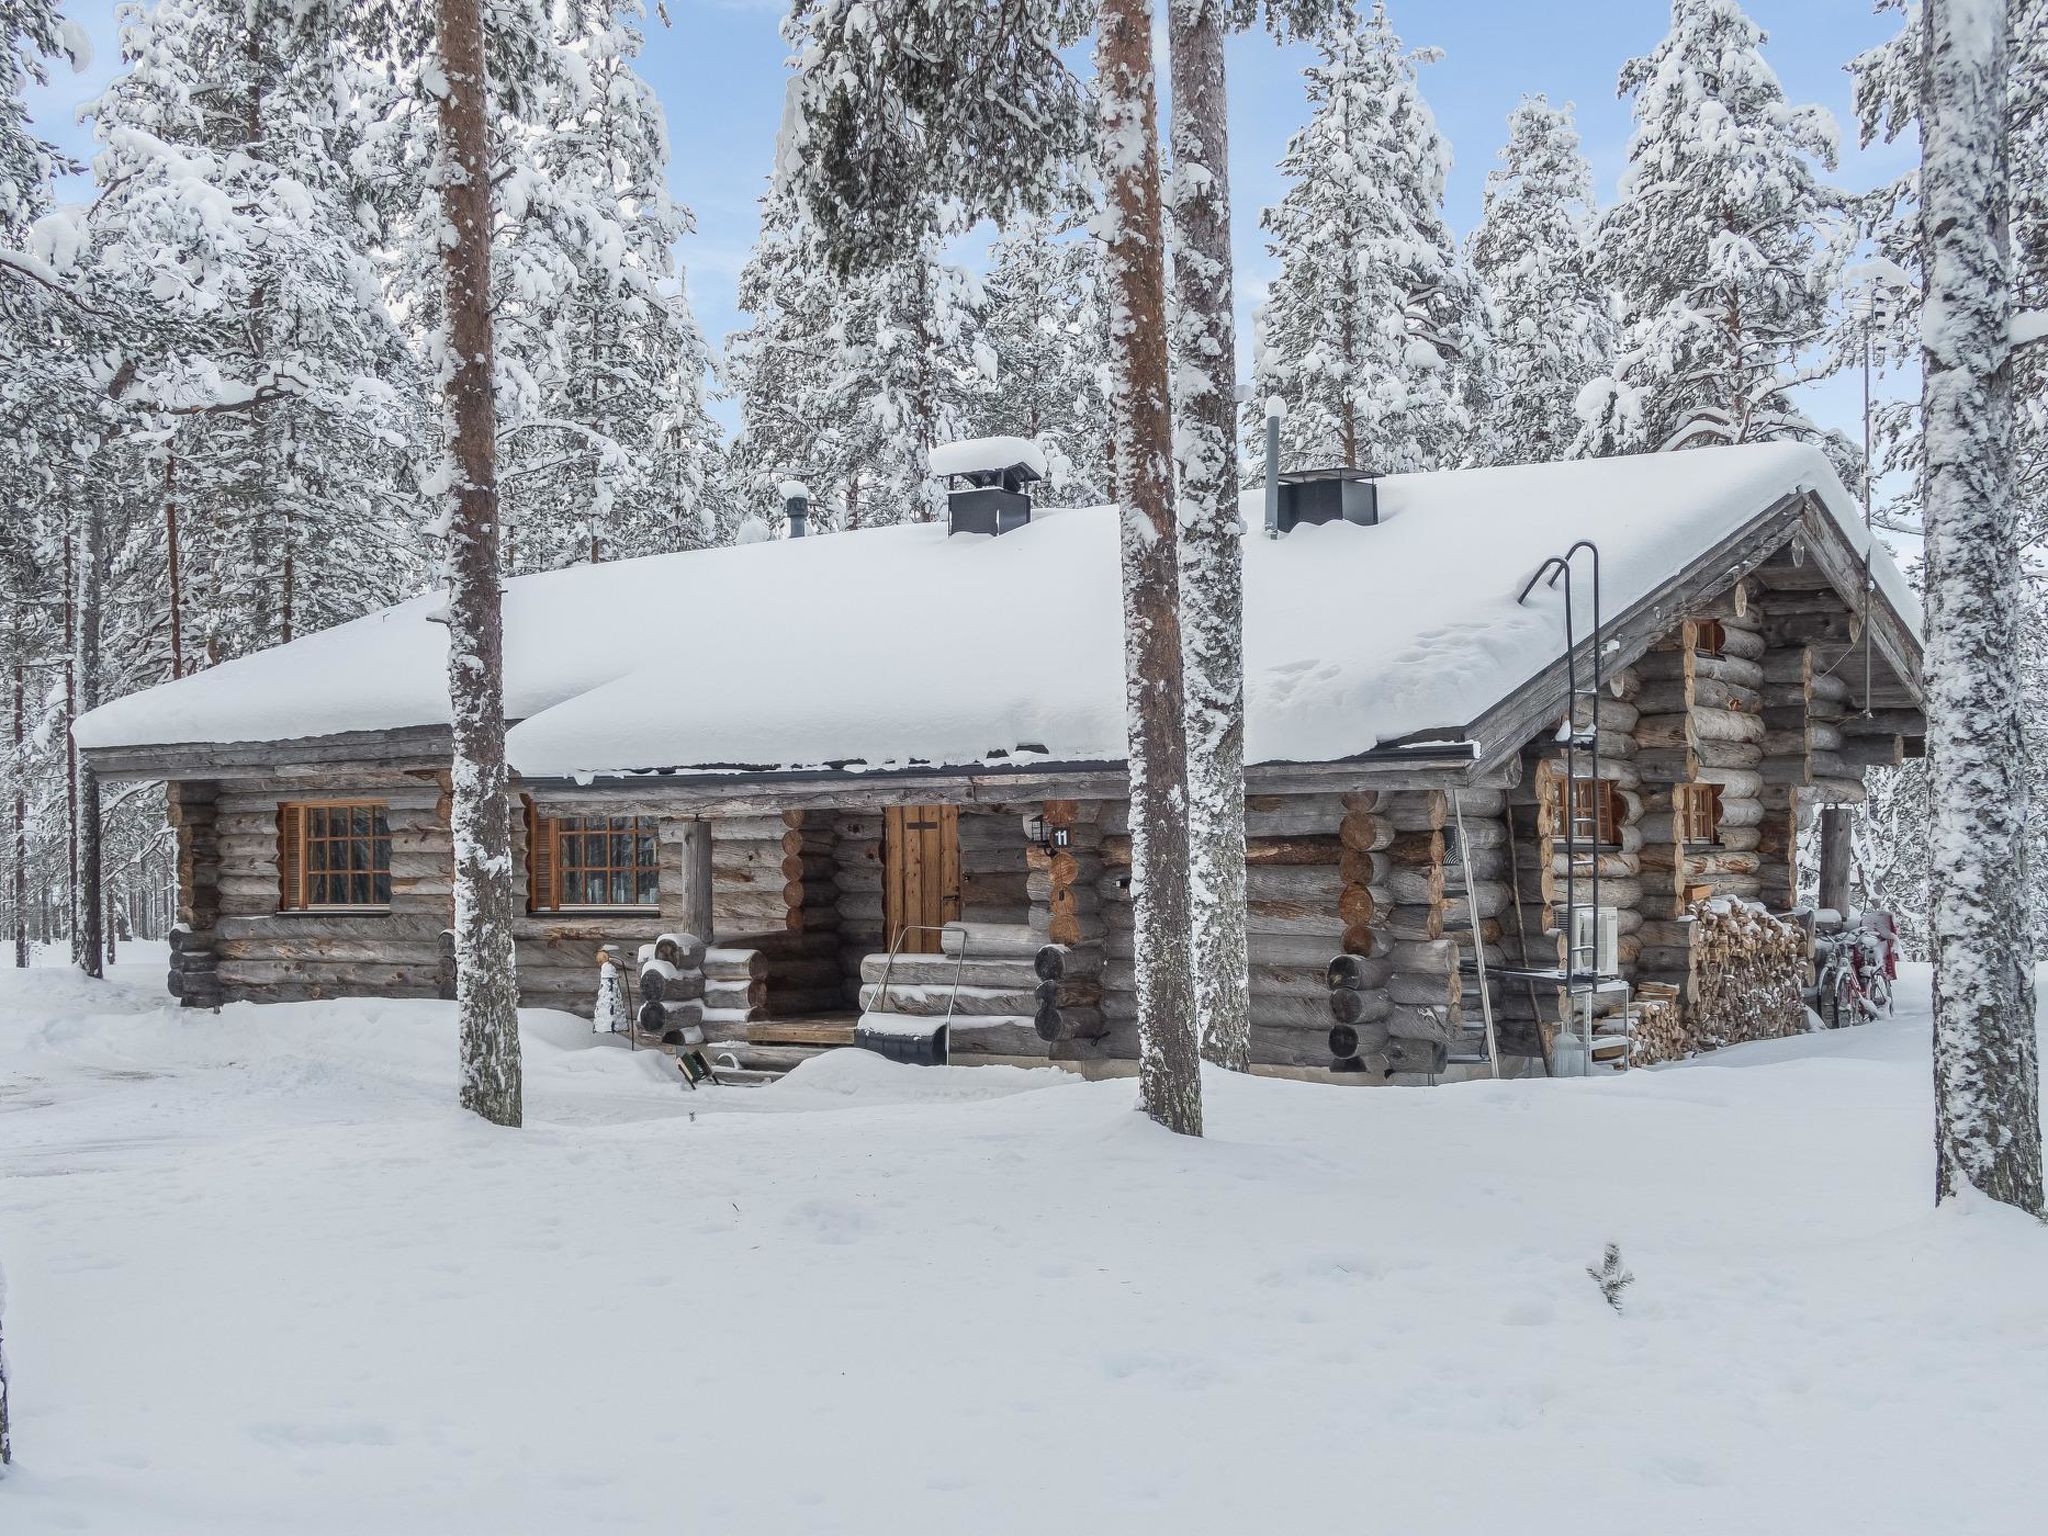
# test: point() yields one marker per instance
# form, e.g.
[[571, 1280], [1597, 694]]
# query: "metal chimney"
[[796, 505], [1276, 412]]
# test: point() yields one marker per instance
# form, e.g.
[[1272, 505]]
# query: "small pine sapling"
[[1611, 1275]]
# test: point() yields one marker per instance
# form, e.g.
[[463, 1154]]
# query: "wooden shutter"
[[540, 861], [291, 857]]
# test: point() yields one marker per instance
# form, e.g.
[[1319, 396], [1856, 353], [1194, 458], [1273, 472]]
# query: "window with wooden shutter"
[[584, 862], [1708, 636], [1696, 812], [333, 854]]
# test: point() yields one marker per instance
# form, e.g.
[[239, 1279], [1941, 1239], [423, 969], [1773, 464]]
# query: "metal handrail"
[[959, 965]]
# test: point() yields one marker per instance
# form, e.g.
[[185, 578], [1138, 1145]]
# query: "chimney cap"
[[1016, 457], [793, 490]]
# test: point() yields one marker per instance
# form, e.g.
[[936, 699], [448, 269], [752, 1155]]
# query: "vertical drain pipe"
[[1276, 412], [796, 505]]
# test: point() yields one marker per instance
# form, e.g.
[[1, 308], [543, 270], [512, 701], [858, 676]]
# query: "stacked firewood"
[[1748, 971]]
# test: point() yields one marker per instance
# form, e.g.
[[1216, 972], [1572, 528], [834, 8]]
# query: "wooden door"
[[920, 873]]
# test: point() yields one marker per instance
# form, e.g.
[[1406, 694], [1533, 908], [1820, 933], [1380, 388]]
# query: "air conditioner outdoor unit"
[[1596, 941]]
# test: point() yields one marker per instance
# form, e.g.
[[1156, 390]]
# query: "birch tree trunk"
[[1211, 555], [1987, 1126], [486, 986], [1169, 1067]]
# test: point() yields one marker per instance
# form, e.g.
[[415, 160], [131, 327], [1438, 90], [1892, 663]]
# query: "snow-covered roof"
[[976, 454], [901, 645]]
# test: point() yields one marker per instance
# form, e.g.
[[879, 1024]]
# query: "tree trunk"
[[1211, 552], [1169, 1068], [20, 814], [91, 904], [1837, 853], [171, 560], [486, 986], [70, 746], [1987, 1126]]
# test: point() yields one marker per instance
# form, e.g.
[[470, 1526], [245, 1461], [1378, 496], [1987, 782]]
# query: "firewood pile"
[[1657, 1028], [1748, 971]]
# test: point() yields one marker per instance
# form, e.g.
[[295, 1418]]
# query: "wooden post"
[[697, 879], [1836, 855]]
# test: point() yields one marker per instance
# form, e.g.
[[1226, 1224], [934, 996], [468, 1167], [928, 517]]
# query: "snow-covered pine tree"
[[486, 983], [232, 140], [1374, 332], [1553, 323], [1043, 324], [608, 445], [1133, 225], [1721, 248], [846, 382], [901, 106], [1986, 1072], [1204, 334]]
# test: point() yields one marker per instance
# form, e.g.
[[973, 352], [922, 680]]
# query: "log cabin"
[[849, 786]]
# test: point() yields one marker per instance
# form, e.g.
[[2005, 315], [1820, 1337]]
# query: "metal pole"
[[1276, 409]]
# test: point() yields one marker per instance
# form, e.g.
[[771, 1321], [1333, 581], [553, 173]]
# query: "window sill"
[[383, 911], [594, 912]]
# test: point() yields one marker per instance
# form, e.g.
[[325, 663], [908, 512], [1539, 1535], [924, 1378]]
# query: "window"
[[1708, 636], [590, 861], [1596, 810], [333, 854], [1696, 812]]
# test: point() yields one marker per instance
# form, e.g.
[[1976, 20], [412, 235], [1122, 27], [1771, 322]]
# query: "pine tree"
[[1374, 333], [1553, 324], [1169, 1044], [1986, 1073], [847, 382], [1204, 331], [1043, 326], [1720, 248], [487, 989], [608, 445], [903, 106], [231, 141]]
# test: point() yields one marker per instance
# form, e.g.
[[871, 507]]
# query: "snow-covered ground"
[[266, 1278]]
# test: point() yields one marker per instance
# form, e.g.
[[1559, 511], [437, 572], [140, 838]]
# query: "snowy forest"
[[222, 369]]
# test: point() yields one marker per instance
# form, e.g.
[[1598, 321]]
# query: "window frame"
[[545, 874], [1709, 637], [296, 837], [1686, 818], [1608, 811]]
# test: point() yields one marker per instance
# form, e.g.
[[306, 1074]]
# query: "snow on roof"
[[900, 646], [985, 453]]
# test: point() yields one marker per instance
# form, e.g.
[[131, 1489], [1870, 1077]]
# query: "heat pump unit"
[[1596, 941]]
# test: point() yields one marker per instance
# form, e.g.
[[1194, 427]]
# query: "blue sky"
[[719, 70]]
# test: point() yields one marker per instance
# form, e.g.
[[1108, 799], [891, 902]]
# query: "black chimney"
[[1327, 496], [796, 505], [989, 482]]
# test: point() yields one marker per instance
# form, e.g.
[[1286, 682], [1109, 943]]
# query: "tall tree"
[[1553, 324], [1204, 328], [282, 385], [1374, 332], [486, 986], [900, 106], [608, 447], [1155, 698], [847, 382], [1986, 1075], [1721, 247], [1044, 328]]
